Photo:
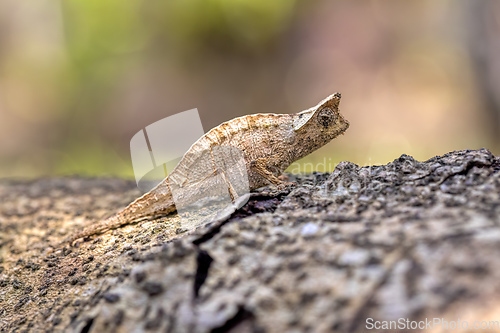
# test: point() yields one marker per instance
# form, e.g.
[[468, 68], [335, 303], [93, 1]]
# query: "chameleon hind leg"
[[230, 188], [220, 171], [232, 192], [202, 179]]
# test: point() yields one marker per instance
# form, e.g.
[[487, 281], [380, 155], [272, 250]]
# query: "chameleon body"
[[269, 144]]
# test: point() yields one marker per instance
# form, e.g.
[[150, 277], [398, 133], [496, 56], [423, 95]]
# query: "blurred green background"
[[78, 78]]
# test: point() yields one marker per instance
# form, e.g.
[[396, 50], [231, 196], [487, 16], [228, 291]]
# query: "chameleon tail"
[[149, 206], [111, 222]]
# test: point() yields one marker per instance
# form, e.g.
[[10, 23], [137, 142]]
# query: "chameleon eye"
[[326, 117]]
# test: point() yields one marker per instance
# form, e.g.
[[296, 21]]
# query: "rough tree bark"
[[405, 240]]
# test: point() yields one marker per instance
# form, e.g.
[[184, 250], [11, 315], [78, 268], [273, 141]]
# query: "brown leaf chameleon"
[[269, 144]]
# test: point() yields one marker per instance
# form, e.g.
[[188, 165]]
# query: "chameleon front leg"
[[262, 167]]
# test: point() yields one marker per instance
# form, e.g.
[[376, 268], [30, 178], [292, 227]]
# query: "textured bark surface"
[[405, 240]]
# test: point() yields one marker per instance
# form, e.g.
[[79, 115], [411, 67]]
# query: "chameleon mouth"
[[344, 125], [342, 130]]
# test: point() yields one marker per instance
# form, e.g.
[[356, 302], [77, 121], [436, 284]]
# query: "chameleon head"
[[323, 122]]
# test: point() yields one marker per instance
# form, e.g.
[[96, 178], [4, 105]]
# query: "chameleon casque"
[[269, 144]]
